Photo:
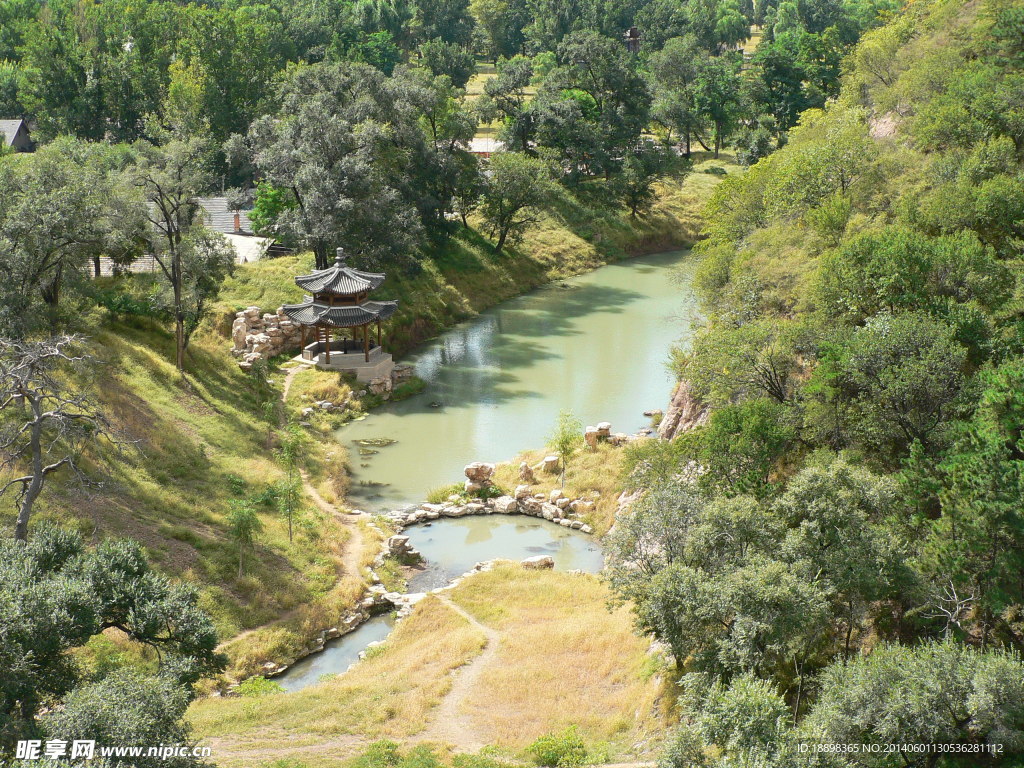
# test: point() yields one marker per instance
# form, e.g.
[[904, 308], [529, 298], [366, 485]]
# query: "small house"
[[14, 135]]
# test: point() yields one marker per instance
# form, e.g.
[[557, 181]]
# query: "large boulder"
[[526, 473], [506, 505], [590, 437], [538, 562], [550, 465], [479, 472]]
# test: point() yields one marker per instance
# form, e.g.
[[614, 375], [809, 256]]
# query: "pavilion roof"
[[319, 313], [340, 279]]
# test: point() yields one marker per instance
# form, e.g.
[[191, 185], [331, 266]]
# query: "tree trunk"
[[35, 486], [239, 561], [718, 138], [501, 240], [96, 265]]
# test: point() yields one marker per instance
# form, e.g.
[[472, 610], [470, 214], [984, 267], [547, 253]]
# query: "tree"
[[516, 189], [46, 421], [642, 167], [898, 269], [973, 547], [673, 82], [443, 58], [728, 362], [192, 260], [290, 488], [55, 594], [566, 439], [932, 694], [897, 380], [244, 526], [59, 207], [347, 145], [505, 97], [740, 446], [716, 95], [597, 97], [127, 709]]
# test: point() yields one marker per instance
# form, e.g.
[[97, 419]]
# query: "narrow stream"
[[596, 345]]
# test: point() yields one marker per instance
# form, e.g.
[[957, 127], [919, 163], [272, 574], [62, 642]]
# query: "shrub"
[[559, 750], [258, 686], [441, 494]]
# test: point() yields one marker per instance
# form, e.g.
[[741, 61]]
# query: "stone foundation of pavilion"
[[347, 358]]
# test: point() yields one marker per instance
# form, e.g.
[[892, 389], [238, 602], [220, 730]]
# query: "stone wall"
[[261, 336]]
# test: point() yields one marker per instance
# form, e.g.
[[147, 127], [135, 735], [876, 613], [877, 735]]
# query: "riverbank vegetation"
[[838, 548]]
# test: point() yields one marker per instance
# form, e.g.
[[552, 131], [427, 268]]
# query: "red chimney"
[[238, 222]]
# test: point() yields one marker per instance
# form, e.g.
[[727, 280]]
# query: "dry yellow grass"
[[388, 695], [564, 659]]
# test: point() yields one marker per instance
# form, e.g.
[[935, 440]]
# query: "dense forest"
[[834, 555]]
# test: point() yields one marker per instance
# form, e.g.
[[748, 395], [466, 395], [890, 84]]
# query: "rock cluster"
[[478, 476], [259, 337], [555, 507], [399, 547], [602, 433]]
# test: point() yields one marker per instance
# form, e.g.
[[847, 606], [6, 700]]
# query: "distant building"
[[236, 227], [14, 135], [483, 146]]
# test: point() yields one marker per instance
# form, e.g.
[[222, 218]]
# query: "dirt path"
[[350, 558], [451, 723]]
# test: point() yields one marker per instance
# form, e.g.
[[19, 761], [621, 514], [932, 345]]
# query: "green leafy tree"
[[972, 548], [933, 694], [641, 169], [55, 594], [244, 527], [739, 448], [193, 261], [443, 58], [347, 154], [674, 71], [517, 188], [896, 381], [566, 439]]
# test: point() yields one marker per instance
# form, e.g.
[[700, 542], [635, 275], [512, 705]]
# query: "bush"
[[258, 686], [559, 750], [440, 495]]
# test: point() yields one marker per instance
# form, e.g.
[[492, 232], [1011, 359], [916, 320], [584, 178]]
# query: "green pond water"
[[596, 345]]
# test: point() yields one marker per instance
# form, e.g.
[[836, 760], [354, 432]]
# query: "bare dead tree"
[[950, 605], [44, 421]]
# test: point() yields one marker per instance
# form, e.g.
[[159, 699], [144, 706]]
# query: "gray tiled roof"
[[9, 129], [339, 279], [218, 217], [312, 313]]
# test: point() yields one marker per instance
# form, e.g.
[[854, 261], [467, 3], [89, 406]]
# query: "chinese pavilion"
[[340, 313]]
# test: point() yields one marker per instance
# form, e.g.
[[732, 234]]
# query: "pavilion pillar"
[[327, 343], [378, 333], [303, 331], [366, 341]]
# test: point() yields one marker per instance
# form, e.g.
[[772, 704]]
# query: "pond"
[[596, 345]]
